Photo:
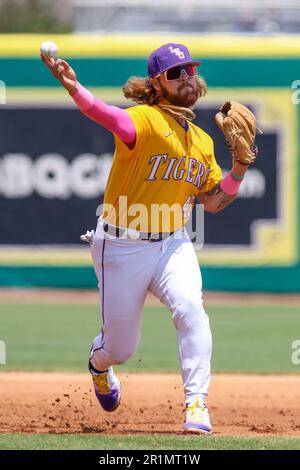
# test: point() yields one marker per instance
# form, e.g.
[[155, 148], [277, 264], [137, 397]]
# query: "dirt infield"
[[241, 405], [92, 297]]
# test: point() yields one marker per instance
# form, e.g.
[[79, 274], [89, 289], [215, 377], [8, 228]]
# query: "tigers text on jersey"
[[151, 185]]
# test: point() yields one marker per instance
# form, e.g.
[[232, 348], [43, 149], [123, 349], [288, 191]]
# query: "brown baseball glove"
[[238, 125]]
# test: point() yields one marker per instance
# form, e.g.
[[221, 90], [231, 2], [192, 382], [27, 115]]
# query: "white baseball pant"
[[126, 270]]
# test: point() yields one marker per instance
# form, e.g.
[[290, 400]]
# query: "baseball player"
[[161, 159]]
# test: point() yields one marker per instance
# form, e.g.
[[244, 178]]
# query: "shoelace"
[[101, 382], [197, 411]]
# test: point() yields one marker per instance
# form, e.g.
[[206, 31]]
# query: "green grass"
[[58, 337], [154, 442]]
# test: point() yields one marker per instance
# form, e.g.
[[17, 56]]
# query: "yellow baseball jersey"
[[152, 187]]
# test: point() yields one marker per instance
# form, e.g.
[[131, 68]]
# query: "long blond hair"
[[141, 91]]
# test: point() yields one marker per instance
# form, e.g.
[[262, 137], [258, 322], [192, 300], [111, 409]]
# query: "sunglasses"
[[175, 73]]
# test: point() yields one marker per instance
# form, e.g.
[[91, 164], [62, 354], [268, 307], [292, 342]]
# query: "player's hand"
[[62, 71]]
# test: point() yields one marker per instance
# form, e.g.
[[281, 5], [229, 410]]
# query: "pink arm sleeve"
[[111, 117], [229, 185]]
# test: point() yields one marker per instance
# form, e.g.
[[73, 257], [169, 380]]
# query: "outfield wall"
[[54, 162]]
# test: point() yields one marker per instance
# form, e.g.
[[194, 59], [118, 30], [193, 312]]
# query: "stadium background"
[[252, 246]]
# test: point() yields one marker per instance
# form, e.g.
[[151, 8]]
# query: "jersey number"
[[187, 207]]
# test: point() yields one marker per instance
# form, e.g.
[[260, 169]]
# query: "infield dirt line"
[[240, 405], [91, 297]]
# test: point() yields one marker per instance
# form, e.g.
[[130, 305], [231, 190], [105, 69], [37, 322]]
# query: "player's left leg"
[[124, 268], [177, 283]]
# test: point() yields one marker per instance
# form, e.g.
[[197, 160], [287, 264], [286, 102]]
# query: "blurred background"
[[189, 16], [54, 162]]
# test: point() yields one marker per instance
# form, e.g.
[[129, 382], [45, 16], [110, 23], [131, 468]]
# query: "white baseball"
[[49, 48]]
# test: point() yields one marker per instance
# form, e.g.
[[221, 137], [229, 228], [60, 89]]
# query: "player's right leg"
[[177, 283], [107, 386], [124, 269]]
